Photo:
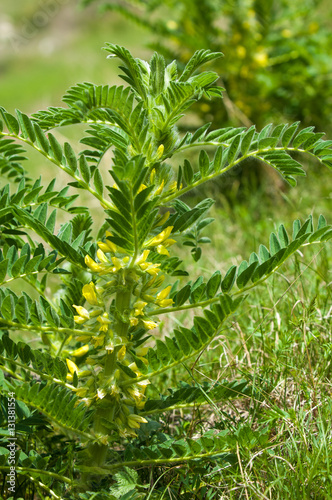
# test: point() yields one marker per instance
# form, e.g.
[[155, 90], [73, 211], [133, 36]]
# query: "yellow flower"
[[82, 338], [142, 258], [101, 256], [161, 187], [156, 240], [117, 264], [261, 58], [162, 250], [79, 320], [133, 321], [81, 351], [163, 294], [149, 325], [241, 51], [139, 306], [165, 302], [72, 367], [112, 246], [142, 351], [141, 188], [98, 340], [163, 219], [83, 313], [153, 269], [89, 293], [81, 392], [101, 393], [122, 352], [96, 268], [134, 421]]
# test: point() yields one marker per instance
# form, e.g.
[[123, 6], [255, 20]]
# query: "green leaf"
[[8, 307], [56, 148], [213, 285], [85, 169], [70, 157], [289, 133], [247, 139], [204, 163], [229, 279], [182, 295]]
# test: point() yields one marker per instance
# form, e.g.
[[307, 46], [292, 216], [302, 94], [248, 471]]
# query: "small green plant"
[[86, 296]]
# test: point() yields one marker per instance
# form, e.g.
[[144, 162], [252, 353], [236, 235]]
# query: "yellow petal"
[[89, 293], [149, 325], [82, 312], [71, 366], [92, 264], [163, 294], [81, 351]]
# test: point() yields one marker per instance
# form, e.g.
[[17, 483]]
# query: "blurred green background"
[[47, 46]]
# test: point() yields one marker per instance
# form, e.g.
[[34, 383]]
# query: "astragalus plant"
[[86, 296]]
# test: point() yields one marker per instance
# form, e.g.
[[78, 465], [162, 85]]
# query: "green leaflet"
[[57, 404]]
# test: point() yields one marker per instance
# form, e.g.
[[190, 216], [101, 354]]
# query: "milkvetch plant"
[[101, 287]]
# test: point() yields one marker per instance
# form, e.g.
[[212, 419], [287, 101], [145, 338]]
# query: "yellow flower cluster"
[[141, 280]]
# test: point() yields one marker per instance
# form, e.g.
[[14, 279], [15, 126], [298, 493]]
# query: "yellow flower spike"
[[101, 256], [125, 260], [122, 352], [89, 293], [160, 237], [149, 325], [162, 250], [163, 294], [72, 367], [82, 312], [96, 268], [161, 187], [81, 351]]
